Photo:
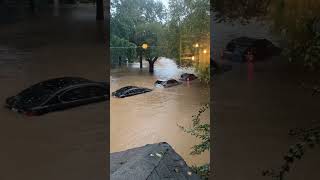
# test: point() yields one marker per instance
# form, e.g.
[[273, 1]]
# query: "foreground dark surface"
[[150, 162]]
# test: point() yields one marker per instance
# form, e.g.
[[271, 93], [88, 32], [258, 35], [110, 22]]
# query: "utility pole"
[[141, 58]]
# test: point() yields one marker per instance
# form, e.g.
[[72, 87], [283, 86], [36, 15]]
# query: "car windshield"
[[126, 88], [39, 93], [33, 96], [171, 81]]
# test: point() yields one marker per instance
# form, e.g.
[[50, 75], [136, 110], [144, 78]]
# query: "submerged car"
[[58, 94], [187, 77], [240, 49], [167, 83], [130, 91]]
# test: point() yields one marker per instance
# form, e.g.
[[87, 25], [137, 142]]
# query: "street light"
[[144, 46], [197, 45], [205, 51]]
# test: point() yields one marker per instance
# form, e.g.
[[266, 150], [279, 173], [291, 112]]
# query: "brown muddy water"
[[252, 116], [154, 117], [69, 144]]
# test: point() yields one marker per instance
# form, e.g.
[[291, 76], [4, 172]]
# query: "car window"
[[54, 100], [128, 92], [33, 97], [83, 93], [171, 81], [95, 91]]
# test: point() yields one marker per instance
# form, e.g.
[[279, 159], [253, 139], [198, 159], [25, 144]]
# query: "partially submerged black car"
[[187, 77], [58, 94], [167, 83], [130, 91], [260, 49]]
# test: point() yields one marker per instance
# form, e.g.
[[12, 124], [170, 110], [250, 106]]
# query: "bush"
[[202, 131], [308, 138]]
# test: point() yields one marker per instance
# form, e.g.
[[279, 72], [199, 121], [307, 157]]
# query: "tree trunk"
[[141, 61], [151, 63], [99, 9], [151, 66]]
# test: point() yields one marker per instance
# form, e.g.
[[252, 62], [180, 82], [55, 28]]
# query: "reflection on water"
[[153, 117]]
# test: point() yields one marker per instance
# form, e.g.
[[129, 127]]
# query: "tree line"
[[163, 28]]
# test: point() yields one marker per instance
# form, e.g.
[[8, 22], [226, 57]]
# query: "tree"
[[138, 22]]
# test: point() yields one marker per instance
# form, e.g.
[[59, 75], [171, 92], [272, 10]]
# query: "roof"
[[62, 82], [38, 93], [150, 162]]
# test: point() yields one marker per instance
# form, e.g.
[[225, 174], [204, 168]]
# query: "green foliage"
[[201, 131], [165, 32], [241, 10], [297, 23], [154, 35], [203, 171], [307, 52], [120, 47], [189, 20], [308, 138], [138, 22], [126, 15], [203, 73]]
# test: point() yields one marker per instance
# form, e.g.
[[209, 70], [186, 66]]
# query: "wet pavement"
[[69, 144]]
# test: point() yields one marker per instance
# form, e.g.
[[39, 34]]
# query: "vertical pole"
[[99, 10], [141, 59], [180, 48]]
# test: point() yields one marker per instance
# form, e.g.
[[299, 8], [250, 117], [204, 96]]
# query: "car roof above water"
[[39, 92], [59, 83]]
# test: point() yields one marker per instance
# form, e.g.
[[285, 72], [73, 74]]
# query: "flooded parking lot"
[[69, 144], [154, 116], [253, 115]]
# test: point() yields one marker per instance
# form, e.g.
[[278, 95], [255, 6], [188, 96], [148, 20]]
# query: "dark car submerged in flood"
[[130, 91], [58, 94], [167, 83], [239, 49], [188, 77]]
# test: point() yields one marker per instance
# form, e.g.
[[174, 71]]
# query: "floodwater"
[[154, 117], [68, 144], [252, 115]]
